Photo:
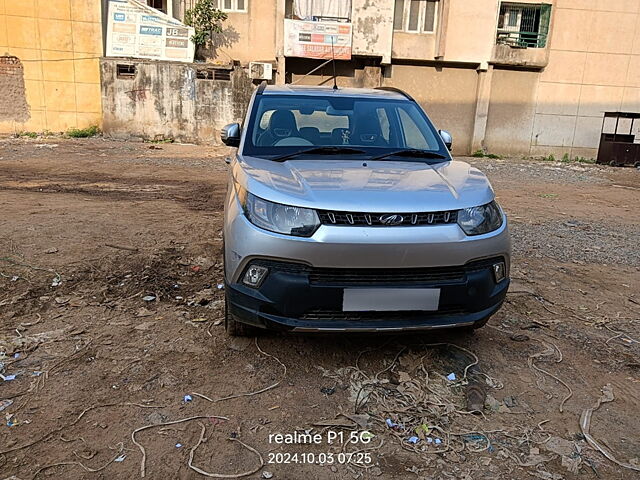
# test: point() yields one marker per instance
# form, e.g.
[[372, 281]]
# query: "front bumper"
[[309, 299]]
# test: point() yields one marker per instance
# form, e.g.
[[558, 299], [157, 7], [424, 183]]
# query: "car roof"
[[306, 90]]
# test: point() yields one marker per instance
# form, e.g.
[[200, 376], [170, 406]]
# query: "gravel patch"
[[551, 172], [579, 242]]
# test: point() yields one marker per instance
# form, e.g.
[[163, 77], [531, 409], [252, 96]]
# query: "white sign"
[[314, 39], [136, 30]]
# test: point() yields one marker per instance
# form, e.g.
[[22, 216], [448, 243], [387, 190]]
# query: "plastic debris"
[[8, 378], [5, 404], [220, 286], [413, 439], [267, 475], [178, 445], [429, 440], [16, 355], [437, 441], [149, 298], [199, 320], [121, 458], [451, 377], [391, 423], [328, 390], [37, 373], [187, 398], [11, 421], [56, 282]]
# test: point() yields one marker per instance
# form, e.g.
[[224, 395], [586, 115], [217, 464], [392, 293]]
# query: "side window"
[[413, 137], [384, 123]]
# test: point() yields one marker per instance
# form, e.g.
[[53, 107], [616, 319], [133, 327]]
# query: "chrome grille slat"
[[328, 217]]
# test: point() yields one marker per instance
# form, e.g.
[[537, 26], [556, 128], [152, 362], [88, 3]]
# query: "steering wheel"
[[293, 142]]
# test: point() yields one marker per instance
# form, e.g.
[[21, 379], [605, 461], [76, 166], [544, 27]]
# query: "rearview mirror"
[[230, 135], [446, 138]]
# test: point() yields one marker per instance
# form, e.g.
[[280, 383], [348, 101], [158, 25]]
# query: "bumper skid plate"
[[306, 299]]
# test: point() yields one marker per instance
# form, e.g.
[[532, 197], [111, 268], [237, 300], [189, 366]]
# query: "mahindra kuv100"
[[346, 212]]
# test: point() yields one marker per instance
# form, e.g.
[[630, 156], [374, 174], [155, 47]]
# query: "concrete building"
[[521, 77], [49, 65]]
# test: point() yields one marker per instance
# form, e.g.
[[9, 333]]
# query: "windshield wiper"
[[411, 152], [320, 151]]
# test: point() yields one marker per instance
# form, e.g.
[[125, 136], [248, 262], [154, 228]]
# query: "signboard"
[[313, 39], [136, 30]]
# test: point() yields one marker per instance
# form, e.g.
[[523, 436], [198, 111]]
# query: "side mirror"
[[446, 138], [230, 135]]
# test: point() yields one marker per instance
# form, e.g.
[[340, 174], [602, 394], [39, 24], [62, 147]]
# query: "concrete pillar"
[[443, 22], [483, 98], [280, 12]]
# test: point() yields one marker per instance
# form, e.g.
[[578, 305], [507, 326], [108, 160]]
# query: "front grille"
[[384, 276], [336, 315], [328, 217], [379, 276]]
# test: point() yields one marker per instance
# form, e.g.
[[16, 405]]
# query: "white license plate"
[[390, 299]]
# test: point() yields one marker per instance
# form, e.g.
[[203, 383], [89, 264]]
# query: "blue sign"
[[150, 18], [119, 17], [146, 30]]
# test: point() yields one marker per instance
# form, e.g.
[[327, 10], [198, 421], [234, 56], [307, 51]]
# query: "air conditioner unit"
[[260, 70]]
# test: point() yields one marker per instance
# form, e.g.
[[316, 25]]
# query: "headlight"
[[479, 220], [275, 217]]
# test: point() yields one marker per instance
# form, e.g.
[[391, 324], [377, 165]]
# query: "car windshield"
[[285, 124]]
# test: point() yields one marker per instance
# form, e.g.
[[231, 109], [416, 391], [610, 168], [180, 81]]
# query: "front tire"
[[233, 327]]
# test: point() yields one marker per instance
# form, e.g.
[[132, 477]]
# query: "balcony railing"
[[521, 39]]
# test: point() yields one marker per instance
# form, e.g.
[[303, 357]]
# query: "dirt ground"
[[89, 228]]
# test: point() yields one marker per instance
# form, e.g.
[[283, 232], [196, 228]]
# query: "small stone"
[[143, 312], [51, 250], [239, 343], [144, 325]]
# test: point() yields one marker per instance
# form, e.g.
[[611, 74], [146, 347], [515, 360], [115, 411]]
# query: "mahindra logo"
[[391, 219]]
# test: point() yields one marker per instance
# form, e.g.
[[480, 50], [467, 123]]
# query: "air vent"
[[222, 75], [125, 71], [204, 74]]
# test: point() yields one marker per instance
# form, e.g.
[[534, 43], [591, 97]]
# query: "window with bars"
[[158, 5], [523, 25], [232, 5], [417, 16]]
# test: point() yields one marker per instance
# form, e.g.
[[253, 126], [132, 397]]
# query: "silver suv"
[[346, 212]]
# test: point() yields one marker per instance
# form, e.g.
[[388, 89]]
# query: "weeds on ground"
[[567, 159], [482, 154], [27, 134], [91, 131], [585, 160]]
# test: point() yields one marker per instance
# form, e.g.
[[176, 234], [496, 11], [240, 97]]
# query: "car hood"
[[365, 186]]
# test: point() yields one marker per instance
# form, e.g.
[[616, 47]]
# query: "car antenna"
[[333, 61]]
